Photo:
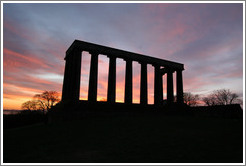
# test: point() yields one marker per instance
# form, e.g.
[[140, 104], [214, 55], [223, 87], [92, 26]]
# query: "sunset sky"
[[206, 38]]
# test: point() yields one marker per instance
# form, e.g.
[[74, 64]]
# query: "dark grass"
[[138, 139], [22, 119]]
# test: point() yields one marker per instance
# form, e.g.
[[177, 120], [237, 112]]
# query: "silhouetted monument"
[[71, 84]]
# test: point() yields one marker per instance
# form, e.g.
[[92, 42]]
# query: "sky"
[[206, 37]]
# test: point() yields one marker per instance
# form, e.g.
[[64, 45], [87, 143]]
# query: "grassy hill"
[[146, 138]]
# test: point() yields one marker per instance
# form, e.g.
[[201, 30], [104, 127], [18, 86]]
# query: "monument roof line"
[[104, 50]]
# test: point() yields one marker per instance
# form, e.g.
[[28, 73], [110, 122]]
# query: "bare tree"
[[42, 102], [47, 99], [209, 100], [190, 99], [30, 105], [221, 97]]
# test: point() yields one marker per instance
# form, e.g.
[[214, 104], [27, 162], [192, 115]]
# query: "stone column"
[[179, 80], [158, 83], [111, 79], [143, 84], [77, 74], [169, 86], [128, 82], [71, 85], [161, 89], [92, 92], [66, 79]]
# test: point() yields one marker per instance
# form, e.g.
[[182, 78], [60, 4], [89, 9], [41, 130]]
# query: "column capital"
[[128, 59], [179, 70], [72, 53], [167, 70], [111, 56], [142, 63], [155, 65], [93, 53]]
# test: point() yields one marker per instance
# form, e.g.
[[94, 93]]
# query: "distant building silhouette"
[[71, 84]]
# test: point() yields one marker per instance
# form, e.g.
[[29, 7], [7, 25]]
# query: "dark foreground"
[[127, 139]]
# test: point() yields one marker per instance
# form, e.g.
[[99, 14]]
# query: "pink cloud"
[[27, 59]]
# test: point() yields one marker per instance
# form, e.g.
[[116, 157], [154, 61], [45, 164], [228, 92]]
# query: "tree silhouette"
[[42, 102], [221, 97], [190, 99], [47, 99], [30, 105], [210, 100]]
